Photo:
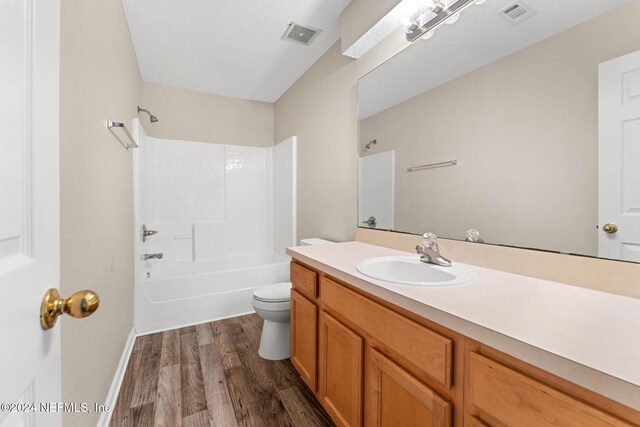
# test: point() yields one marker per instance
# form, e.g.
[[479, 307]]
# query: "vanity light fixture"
[[425, 21]]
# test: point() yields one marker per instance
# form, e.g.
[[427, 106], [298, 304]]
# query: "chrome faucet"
[[152, 256], [429, 252]]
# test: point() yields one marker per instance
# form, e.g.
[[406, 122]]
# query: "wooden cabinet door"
[[500, 396], [340, 371], [394, 397], [304, 327]]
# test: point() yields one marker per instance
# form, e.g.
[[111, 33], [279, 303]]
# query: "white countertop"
[[590, 329]]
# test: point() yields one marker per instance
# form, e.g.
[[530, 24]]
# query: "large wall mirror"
[[526, 129]]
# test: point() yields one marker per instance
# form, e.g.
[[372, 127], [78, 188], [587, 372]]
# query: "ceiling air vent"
[[299, 33], [517, 12]]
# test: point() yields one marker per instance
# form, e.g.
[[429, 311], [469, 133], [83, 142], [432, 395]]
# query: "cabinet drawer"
[[304, 280], [498, 395], [426, 352]]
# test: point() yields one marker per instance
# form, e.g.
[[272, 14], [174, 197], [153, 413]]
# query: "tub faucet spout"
[[152, 256]]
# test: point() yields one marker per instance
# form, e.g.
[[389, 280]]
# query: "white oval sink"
[[409, 270]]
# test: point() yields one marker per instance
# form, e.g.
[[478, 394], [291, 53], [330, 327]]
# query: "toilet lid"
[[280, 292]]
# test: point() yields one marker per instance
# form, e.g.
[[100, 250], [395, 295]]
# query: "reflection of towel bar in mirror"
[[111, 124], [432, 165]]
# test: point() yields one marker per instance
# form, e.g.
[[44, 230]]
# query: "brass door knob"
[[610, 228], [81, 304]]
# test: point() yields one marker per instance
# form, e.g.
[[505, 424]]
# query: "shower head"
[[152, 118]]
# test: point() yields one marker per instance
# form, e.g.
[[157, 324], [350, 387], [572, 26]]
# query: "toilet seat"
[[271, 306], [278, 293]]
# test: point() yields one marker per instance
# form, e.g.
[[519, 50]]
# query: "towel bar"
[[111, 124]]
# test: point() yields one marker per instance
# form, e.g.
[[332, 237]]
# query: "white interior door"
[[376, 190], [619, 158], [29, 207]]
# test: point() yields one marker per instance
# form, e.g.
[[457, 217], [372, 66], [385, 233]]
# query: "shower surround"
[[224, 216]]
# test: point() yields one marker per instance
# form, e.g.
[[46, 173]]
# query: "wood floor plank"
[[146, 383], [263, 387], [221, 340], [168, 408], [139, 343], [193, 394], [170, 354], [218, 400], [204, 334], [187, 330], [200, 419], [252, 331], [301, 412], [142, 416], [244, 405], [189, 353], [284, 375], [154, 344]]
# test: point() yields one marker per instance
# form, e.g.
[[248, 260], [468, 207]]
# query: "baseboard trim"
[[105, 417], [200, 322]]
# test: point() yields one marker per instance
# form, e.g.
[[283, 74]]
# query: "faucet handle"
[[430, 240]]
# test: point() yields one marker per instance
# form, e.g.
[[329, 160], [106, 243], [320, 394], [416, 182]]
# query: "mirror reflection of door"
[[619, 157], [376, 190]]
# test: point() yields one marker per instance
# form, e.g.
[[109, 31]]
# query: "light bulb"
[[453, 19], [428, 35]]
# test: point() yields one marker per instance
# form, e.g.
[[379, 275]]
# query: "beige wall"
[[320, 109], [525, 130], [198, 116], [99, 79]]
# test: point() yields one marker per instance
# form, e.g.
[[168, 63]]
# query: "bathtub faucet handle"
[[146, 233]]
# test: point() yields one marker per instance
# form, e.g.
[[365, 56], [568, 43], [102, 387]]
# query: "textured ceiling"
[[478, 38], [231, 48]]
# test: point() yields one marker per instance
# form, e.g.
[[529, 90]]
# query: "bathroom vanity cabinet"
[[372, 363]]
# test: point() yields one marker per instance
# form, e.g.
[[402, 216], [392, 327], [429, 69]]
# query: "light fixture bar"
[[418, 29]]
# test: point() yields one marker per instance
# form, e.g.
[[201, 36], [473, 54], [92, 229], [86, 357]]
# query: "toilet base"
[[274, 342]]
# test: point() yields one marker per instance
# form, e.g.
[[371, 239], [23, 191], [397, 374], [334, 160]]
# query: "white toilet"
[[273, 304]]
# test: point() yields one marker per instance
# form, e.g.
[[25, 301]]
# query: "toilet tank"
[[314, 241]]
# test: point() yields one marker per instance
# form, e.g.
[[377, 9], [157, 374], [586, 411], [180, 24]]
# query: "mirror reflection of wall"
[[517, 107]]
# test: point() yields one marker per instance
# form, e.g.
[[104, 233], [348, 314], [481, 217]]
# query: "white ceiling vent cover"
[[517, 12], [299, 33]]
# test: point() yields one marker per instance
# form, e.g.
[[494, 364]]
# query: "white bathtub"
[[188, 293]]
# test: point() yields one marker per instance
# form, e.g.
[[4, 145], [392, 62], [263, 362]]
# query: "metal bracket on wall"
[[126, 144]]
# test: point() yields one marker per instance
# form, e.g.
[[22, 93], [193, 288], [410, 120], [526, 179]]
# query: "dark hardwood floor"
[[212, 375]]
